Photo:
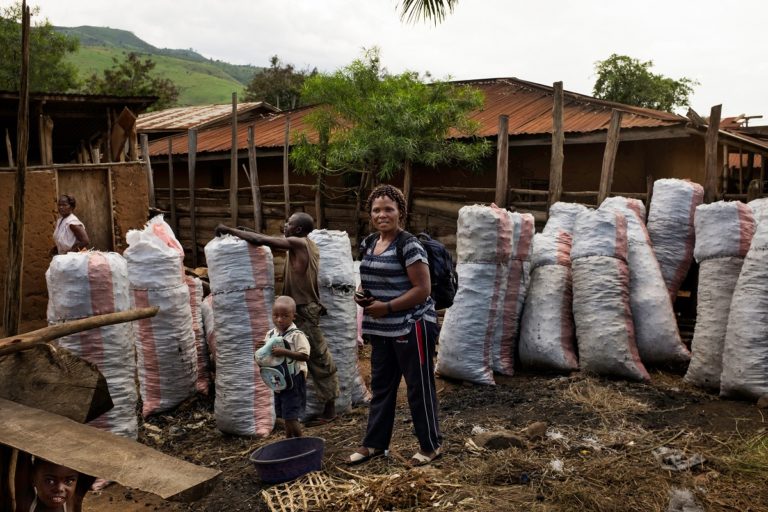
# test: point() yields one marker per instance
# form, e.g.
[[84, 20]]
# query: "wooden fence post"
[[558, 137], [13, 279], [148, 165], [408, 187], [609, 156], [502, 162], [710, 155], [254, 179], [172, 188], [191, 160], [233, 185], [286, 182]]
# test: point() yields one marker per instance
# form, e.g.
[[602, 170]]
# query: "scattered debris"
[[682, 500], [675, 460], [536, 431], [499, 440]]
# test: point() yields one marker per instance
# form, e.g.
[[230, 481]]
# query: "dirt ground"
[[597, 454]]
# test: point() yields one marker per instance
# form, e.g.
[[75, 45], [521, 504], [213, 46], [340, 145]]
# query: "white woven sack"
[[195, 286], [656, 333], [759, 207], [336, 282], [724, 228], [745, 355], [717, 280], [552, 248], [670, 228], [95, 283], [601, 307], [547, 336], [562, 217], [242, 286], [471, 325], [484, 235]]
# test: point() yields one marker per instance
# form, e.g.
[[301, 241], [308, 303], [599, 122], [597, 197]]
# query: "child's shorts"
[[290, 403]]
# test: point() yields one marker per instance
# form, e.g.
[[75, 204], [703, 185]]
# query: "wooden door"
[[92, 190]]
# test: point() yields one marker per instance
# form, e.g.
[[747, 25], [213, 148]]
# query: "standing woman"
[[69, 234], [400, 320]]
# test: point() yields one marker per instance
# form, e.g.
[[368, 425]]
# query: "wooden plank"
[[171, 187], [558, 136], [254, 180], [102, 454], [609, 156], [192, 137], [45, 135], [726, 169], [407, 187], [286, 181], [502, 162], [710, 155], [148, 165], [15, 260], [123, 130], [233, 164], [54, 380], [9, 149]]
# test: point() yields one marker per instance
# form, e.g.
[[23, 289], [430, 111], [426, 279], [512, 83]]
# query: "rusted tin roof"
[[184, 118], [528, 105]]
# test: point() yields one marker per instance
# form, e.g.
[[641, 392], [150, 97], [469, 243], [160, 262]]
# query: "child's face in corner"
[[55, 484], [282, 316]]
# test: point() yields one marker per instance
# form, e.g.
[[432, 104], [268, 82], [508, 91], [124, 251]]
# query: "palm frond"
[[435, 10]]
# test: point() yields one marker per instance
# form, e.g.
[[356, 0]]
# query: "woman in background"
[[69, 234]]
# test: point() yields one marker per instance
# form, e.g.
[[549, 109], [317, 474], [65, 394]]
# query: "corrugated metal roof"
[[184, 118], [528, 105], [269, 132]]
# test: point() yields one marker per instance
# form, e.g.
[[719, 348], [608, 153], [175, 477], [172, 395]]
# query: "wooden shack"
[[82, 145]]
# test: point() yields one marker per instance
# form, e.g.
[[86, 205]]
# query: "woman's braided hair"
[[394, 194]]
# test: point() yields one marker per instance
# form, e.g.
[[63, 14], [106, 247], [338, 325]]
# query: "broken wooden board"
[[54, 380], [102, 454]]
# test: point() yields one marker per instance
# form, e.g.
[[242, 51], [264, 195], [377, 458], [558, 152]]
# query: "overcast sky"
[[722, 45]]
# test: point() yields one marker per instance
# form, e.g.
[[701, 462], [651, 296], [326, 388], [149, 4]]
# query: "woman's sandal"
[[420, 459], [364, 454]]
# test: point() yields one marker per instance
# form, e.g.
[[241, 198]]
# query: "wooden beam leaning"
[[253, 176], [102, 454], [286, 180], [191, 162], [609, 156], [172, 188], [13, 282], [710, 155], [558, 136], [233, 164], [148, 166], [502, 162]]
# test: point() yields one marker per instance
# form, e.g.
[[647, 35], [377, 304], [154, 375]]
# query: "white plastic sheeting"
[[336, 284], [601, 306], [547, 335], [745, 355], [658, 339], [724, 232], [242, 279], [95, 283], [167, 357], [671, 229], [480, 330]]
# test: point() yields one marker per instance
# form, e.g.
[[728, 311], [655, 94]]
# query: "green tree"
[[133, 77], [627, 80], [48, 71], [435, 10], [279, 85]]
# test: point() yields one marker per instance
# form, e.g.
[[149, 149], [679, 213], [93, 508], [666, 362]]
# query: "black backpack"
[[441, 274]]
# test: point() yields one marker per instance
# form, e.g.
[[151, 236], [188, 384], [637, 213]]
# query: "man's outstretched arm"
[[273, 242]]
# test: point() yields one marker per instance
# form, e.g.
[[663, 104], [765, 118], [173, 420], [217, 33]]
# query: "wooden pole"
[[191, 161], [9, 148], [320, 188], [148, 165], [15, 265], [763, 166], [172, 188], [502, 162], [13, 344], [648, 193], [286, 183], [609, 156], [558, 138], [710, 155], [726, 169], [407, 187], [741, 171], [254, 179], [233, 185]]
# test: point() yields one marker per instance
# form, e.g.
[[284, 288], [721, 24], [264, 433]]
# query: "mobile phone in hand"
[[362, 295]]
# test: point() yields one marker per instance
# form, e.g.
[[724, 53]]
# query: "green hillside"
[[199, 80]]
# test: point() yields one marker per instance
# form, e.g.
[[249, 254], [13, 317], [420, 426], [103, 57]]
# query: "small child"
[[54, 487], [290, 403]]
